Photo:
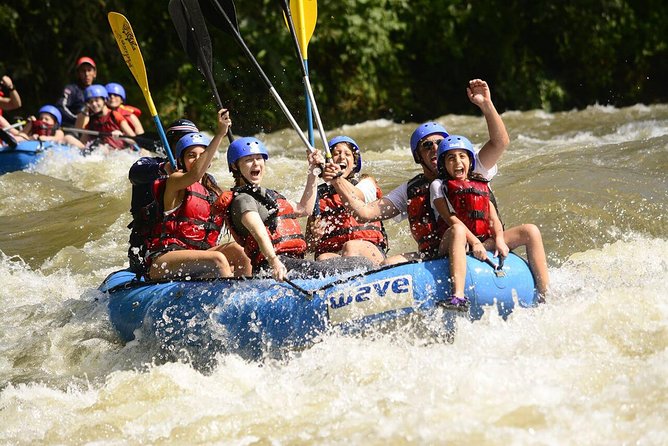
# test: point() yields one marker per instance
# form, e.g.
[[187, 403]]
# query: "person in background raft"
[[265, 223], [335, 231], [147, 210], [462, 199], [100, 118], [183, 244], [411, 199], [71, 101], [117, 103], [9, 100], [9, 95], [46, 127]]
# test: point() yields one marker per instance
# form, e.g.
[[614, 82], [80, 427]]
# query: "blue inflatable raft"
[[26, 154], [253, 317]]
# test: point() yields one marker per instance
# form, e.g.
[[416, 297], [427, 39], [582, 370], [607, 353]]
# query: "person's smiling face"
[[457, 163], [344, 156]]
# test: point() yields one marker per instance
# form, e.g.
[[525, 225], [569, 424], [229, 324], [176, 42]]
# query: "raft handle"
[[498, 269]]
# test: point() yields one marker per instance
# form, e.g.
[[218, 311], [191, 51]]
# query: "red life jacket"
[[41, 128], [191, 226], [126, 110], [427, 230], [282, 226], [340, 224], [470, 200], [107, 124], [129, 110]]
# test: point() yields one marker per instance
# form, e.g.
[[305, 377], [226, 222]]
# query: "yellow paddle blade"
[[304, 14], [127, 43]]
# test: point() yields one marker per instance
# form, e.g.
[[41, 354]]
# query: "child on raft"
[[183, 243], [117, 103], [110, 125], [46, 127], [462, 199]]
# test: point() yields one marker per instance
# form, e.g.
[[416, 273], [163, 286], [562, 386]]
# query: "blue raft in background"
[[26, 154], [253, 317]]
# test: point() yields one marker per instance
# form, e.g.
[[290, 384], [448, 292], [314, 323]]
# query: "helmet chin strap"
[[241, 175]]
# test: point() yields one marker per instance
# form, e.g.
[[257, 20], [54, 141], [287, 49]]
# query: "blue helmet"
[[95, 91], [356, 149], [422, 131], [50, 109], [189, 140], [244, 147], [117, 89], [453, 142]]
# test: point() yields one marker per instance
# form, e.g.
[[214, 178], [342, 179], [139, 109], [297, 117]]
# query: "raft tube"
[[253, 316], [26, 154]]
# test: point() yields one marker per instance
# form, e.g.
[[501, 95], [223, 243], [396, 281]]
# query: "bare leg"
[[73, 141], [454, 243], [238, 260], [363, 248], [402, 258], [203, 264], [529, 235], [328, 255]]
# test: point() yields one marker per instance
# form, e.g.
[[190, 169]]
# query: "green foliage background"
[[396, 59]]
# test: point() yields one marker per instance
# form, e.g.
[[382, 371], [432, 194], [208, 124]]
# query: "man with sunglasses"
[[411, 199]]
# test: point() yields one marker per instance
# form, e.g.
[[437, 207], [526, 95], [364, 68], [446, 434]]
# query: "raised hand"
[[478, 92]]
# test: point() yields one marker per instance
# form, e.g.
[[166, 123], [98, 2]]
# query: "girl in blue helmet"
[[462, 198], [46, 127], [100, 118], [262, 220], [184, 243], [117, 103], [334, 231]]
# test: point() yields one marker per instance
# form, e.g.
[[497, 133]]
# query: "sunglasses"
[[427, 144]]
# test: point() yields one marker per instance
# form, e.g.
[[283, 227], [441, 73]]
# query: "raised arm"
[[307, 202], [381, 209], [479, 93], [13, 100]]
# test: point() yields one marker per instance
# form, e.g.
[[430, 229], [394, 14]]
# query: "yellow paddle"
[[127, 43], [300, 17], [304, 14]]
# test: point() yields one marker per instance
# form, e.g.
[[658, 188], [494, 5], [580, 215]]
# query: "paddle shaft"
[[265, 79], [309, 294], [194, 31], [15, 125], [310, 99], [137, 138]]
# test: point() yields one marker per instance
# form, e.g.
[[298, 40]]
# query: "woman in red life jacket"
[[462, 199], [184, 242], [100, 118], [46, 127], [262, 220], [335, 231], [117, 103]]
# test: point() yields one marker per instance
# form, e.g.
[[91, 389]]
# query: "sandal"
[[456, 303]]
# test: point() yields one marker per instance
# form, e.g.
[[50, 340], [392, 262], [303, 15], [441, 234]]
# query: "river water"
[[589, 367]]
